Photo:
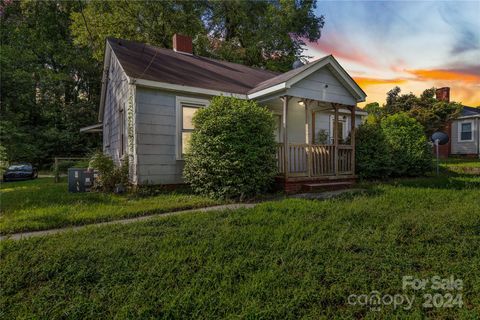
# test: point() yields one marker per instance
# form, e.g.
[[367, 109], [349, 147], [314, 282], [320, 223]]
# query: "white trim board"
[[186, 89]]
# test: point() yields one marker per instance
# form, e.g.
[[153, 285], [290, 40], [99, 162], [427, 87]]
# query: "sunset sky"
[[413, 44]]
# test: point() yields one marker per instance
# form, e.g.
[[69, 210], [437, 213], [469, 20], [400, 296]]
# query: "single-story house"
[[150, 94], [464, 132]]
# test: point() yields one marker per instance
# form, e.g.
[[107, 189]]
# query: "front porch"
[[316, 143], [315, 109]]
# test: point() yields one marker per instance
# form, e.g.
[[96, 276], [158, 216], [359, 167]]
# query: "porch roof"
[[290, 78]]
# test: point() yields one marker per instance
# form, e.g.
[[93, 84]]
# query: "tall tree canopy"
[[433, 114], [266, 34], [153, 22], [51, 56], [49, 86]]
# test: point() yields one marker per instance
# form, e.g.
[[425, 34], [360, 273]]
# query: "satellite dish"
[[442, 138], [439, 138], [297, 64]]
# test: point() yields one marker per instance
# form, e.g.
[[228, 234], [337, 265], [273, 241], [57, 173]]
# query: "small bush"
[[3, 159], [409, 148], [372, 154], [109, 175], [232, 150]]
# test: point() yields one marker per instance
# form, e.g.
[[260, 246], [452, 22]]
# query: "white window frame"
[[472, 125], [180, 101]]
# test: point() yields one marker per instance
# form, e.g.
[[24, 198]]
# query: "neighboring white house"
[[464, 131], [150, 94]]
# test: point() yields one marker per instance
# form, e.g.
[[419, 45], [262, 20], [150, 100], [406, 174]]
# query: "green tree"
[[374, 111], [433, 114], [153, 22], [232, 150], [267, 34], [49, 87]]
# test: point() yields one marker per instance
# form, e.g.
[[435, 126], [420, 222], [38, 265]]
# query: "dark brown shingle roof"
[[183, 69], [469, 111]]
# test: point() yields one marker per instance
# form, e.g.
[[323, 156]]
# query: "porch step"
[[327, 185]]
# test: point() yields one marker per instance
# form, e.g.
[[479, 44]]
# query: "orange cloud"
[[445, 75], [366, 82], [467, 95], [464, 84]]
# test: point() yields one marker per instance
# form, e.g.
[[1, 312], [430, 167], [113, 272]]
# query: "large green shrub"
[[392, 146], [409, 148], [232, 150], [372, 154]]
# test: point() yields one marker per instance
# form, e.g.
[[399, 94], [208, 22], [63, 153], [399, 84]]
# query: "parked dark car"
[[20, 171]]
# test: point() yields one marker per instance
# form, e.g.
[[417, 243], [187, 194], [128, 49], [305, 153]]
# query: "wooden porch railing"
[[315, 160]]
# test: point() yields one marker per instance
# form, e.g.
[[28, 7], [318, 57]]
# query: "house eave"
[[106, 69], [182, 88], [468, 117], [106, 64], [268, 91]]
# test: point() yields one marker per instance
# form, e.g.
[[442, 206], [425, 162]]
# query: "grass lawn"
[[42, 204], [461, 162], [284, 260]]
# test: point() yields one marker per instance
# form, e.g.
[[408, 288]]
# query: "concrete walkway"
[[310, 196], [24, 235]]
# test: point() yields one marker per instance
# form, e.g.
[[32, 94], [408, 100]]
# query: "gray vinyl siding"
[[157, 137], [465, 147], [313, 87], [116, 98]]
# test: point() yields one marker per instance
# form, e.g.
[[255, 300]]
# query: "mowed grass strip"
[[280, 260], [42, 204], [461, 162]]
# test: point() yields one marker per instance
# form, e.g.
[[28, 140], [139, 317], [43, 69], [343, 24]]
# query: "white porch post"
[[352, 135], [308, 139], [335, 138], [286, 153]]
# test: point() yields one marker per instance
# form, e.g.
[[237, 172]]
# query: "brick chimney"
[[182, 43], [443, 94]]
